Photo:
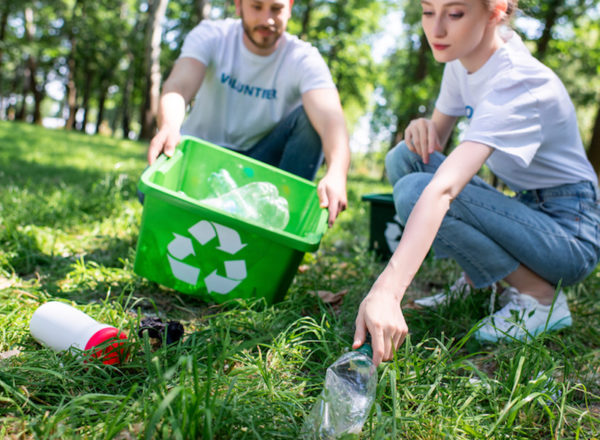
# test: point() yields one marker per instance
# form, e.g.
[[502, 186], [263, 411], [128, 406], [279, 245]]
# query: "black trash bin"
[[384, 230]]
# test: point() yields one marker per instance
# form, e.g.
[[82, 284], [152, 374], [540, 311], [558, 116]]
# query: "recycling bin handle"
[[322, 225], [164, 163]]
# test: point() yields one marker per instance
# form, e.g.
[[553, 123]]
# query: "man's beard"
[[262, 43]]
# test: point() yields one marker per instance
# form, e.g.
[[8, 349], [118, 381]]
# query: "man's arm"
[[325, 113], [178, 90]]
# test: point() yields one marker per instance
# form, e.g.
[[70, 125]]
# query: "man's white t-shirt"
[[519, 107], [244, 95]]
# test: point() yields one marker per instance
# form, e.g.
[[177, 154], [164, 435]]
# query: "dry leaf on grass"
[[9, 354], [303, 268], [5, 283], [329, 297], [411, 305]]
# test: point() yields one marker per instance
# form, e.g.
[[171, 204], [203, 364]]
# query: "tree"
[[412, 82], [156, 15], [343, 31], [573, 53]]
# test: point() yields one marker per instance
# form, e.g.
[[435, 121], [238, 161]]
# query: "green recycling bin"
[[200, 250]]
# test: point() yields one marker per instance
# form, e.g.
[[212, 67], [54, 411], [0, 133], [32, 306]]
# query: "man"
[[262, 92]]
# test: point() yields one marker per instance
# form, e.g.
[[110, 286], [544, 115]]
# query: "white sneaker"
[[462, 289], [524, 317]]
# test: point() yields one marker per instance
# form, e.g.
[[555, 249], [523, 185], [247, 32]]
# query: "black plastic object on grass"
[[156, 329]]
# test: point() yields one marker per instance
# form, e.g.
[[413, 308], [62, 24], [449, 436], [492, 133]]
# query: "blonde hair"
[[511, 7]]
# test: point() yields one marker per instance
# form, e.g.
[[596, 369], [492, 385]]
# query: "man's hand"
[[178, 90], [165, 142], [332, 195], [380, 315], [324, 111]]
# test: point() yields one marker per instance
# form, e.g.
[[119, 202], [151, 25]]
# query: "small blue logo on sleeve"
[[468, 111]]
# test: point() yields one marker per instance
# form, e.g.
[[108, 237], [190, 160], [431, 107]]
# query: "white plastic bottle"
[[59, 326]]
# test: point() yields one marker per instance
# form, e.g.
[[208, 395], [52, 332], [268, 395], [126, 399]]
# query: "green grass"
[[69, 221]]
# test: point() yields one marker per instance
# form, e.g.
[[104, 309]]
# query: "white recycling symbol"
[[392, 233], [229, 242]]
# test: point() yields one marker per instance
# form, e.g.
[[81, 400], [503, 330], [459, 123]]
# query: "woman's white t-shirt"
[[519, 107], [244, 95]]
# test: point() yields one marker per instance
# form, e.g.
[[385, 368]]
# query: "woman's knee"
[[399, 161], [407, 191]]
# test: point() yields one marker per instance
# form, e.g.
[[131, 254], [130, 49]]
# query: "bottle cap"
[[109, 354], [366, 349]]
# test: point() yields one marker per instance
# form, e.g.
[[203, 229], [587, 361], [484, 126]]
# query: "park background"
[[79, 81]]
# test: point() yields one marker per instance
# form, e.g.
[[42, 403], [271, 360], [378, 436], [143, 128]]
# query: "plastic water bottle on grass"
[[345, 402]]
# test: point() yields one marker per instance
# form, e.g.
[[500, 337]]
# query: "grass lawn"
[[69, 222]]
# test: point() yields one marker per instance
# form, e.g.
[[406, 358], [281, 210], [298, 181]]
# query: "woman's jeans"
[[292, 146], [552, 231]]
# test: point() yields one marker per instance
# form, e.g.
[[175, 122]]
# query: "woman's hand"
[[421, 137], [380, 315]]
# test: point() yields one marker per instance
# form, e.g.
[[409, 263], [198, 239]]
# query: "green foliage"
[[104, 42], [412, 82], [344, 33]]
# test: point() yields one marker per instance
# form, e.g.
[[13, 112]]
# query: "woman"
[[522, 123]]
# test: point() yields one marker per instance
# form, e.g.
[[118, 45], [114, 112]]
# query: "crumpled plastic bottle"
[[221, 182], [271, 209], [345, 402], [258, 201]]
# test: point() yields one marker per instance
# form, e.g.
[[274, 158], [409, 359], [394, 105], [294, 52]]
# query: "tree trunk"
[[101, 102], [153, 75], [554, 8], [38, 96], [421, 72], [126, 102], [306, 20], [419, 75], [3, 22], [32, 68], [30, 65], [594, 147], [202, 9], [71, 86], [20, 114], [87, 92]]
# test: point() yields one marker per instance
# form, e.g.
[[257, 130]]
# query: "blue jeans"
[[293, 146], [552, 231]]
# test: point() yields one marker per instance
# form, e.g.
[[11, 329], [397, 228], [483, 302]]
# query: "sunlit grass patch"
[[69, 221]]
